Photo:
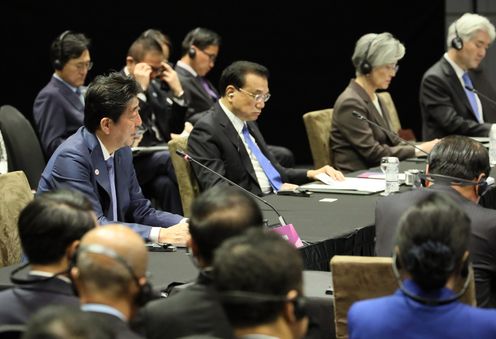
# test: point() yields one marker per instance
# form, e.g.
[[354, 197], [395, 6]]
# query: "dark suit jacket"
[[169, 115], [355, 143], [58, 112], [445, 107], [78, 164], [116, 326], [215, 143], [482, 249], [198, 98], [20, 302], [195, 310]]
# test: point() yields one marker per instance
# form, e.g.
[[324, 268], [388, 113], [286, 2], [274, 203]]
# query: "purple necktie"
[[207, 88], [111, 173]]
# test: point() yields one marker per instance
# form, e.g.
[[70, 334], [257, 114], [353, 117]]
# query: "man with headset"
[[109, 273], [50, 228], [447, 106], [58, 109], [259, 277], [457, 166]]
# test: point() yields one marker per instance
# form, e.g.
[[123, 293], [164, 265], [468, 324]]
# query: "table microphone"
[[361, 117], [187, 157], [471, 89]]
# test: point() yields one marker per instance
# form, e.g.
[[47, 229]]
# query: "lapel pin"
[[97, 172]]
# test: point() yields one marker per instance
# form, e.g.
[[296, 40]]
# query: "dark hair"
[[68, 46], [433, 236], [108, 96], [144, 45], [201, 38], [158, 36], [235, 74], [63, 321], [459, 156], [219, 213], [262, 263], [52, 222]]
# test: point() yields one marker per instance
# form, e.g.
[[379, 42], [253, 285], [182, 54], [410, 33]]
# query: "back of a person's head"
[[467, 26], [235, 74], [432, 239], [201, 38], [108, 96], [68, 45], [262, 265], [459, 156], [51, 222], [65, 322], [219, 213]]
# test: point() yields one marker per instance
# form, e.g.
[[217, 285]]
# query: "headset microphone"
[[361, 117], [427, 301], [441, 179], [187, 157], [471, 89]]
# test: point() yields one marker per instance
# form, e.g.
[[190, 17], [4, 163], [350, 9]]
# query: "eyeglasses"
[[81, 66], [258, 97], [211, 56], [392, 67], [157, 69]]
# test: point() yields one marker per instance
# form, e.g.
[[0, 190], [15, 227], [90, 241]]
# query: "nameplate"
[[289, 233]]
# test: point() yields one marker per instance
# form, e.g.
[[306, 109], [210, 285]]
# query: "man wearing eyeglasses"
[[227, 139], [58, 109]]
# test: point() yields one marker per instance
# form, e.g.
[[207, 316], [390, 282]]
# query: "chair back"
[[387, 100], [318, 127], [186, 180], [24, 152], [15, 195], [357, 278], [14, 331]]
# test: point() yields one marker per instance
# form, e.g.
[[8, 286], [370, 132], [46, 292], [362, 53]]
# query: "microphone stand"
[[187, 157], [471, 89], [361, 117]]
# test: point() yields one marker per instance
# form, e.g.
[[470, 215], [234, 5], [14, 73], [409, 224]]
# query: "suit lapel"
[[458, 89], [67, 93], [99, 167]]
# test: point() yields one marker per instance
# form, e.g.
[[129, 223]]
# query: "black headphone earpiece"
[[57, 63], [300, 307], [145, 291], [457, 42], [365, 66], [192, 52], [482, 184]]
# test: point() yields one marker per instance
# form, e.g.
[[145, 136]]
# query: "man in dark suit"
[[228, 140], [109, 271], [217, 214], [50, 228], [447, 106], [97, 161], [58, 109], [457, 167]]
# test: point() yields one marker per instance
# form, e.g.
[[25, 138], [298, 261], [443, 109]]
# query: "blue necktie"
[[111, 173], [80, 95], [471, 96], [270, 171]]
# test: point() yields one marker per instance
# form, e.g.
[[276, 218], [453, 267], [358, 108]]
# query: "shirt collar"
[[105, 152], [100, 308], [237, 122], [72, 88], [187, 67], [49, 274], [458, 70]]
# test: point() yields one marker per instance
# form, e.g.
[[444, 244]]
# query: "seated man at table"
[[50, 228], [227, 140], [259, 277], [109, 271], [458, 167], [97, 161], [219, 213]]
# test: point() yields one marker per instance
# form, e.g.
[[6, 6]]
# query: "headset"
[[466, 272], [57, 63], [457, 42], [483, 186], [145, 293], [192, 50], [299, 302], [21, 281], [365, 66]]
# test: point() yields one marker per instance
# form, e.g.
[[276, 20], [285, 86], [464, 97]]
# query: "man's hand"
[[169, 75], [334, 174], [177, 234], [141, 74]]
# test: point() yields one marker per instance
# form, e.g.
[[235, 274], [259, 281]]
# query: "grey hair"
[[468, 25], [378, 49]]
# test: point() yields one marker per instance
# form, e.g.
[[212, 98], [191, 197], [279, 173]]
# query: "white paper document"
[[349, 185]]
